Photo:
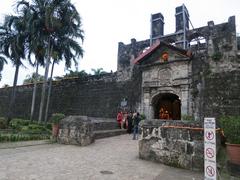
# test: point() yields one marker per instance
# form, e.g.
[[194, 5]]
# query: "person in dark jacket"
[[136, 120], [129, 123]]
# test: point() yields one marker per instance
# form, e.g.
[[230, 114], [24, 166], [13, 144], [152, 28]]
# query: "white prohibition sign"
[[210, 153], [210, 171]]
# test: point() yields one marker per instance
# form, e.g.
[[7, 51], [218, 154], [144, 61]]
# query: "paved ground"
[[113, 158]]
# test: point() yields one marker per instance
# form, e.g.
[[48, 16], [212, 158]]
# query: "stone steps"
[[105, 125], [108, 133]]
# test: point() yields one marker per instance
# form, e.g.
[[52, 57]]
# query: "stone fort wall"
[[96, 96]]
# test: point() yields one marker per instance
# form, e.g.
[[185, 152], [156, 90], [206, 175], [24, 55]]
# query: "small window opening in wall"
[[198, 42]]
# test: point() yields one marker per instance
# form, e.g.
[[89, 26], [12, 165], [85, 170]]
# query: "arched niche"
[[166, 106]]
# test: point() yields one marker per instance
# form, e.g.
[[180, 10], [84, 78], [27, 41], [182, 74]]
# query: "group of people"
[[164, 114], [129, 121]]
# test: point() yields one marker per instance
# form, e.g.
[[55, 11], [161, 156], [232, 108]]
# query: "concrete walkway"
[[114, 158]]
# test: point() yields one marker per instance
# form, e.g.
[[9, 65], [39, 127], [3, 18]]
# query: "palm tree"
[[76, 74], [38, 17], [32, 78], [64, 47], [2, 62], [12, 45], [53, 25], [98, 71]]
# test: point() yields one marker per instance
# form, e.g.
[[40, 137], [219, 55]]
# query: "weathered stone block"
[[76, 130], [179, 147], [198, 148], [185, 161], [197, 162]]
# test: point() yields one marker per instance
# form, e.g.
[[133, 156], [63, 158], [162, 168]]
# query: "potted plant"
[[231, 130], [55, 119]]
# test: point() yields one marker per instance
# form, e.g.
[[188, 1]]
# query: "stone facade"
[[174, 143], [76, 130], [196, 81], [166, 78]]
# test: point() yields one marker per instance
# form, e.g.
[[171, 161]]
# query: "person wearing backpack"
[[136, 120]]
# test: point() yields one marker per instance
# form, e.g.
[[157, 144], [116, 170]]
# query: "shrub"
[[56, 118], [186, 117], [34, 129], [18, 123], [24, 130], [49, 126], [22, 137], [142, 116], [231, 128], [3, 123]]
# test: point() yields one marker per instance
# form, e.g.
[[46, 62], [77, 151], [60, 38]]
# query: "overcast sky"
[[107, 22]]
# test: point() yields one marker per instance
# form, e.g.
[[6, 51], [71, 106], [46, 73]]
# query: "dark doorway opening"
[[167, 106]]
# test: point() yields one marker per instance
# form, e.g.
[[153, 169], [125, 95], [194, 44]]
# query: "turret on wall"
[[182, 25], [182, 16], [157, 27]]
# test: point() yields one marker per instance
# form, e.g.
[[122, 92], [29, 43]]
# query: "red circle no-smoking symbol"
[[209, 152]]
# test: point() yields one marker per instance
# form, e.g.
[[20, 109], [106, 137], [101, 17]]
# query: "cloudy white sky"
[[107, 22]]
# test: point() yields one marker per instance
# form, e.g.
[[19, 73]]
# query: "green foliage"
[[187, 117], [24, 130], [74, 74], [56, 118], [98, 71], [35, 129], [3, 123], [142, 116], [18, 123], [31, 78], [216, 56], [49, 126], [9, 137], [2, 62], [231, 128]]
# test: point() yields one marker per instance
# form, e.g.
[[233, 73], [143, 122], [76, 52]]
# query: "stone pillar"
[[146, 103], [184, 100]]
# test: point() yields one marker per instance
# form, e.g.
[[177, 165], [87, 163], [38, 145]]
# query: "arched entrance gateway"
[[167, 106]]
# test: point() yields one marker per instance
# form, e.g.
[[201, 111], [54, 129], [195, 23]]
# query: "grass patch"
[[25, 130]]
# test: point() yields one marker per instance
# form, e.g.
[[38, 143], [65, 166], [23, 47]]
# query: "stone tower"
[[157, 27], [182, 25]]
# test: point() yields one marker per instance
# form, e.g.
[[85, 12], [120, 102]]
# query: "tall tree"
[[35, 80], [54, 24], [12, 44]]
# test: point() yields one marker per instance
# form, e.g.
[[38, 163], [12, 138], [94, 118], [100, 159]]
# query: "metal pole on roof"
[[184, 27], [151, 31]]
